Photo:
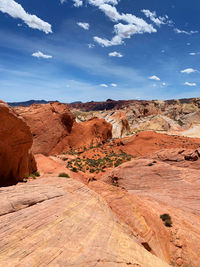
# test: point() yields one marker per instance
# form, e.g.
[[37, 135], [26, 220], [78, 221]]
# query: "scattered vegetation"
[[63, 174], [31, 175], [96, 163], [166, 218]]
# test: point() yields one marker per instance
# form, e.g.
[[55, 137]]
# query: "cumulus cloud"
[[40, 55], [184, 32], [135, 25], [188, 71], [104, 85], [115, 54], [154, 77], [123, 31], [16, 11], [190, 84], [84, 25], [113, 84], [153, 17]]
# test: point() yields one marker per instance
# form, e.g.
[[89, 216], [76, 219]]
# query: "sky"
[[92, 50]]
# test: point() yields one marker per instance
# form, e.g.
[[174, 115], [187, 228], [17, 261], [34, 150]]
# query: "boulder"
[[16, 160]]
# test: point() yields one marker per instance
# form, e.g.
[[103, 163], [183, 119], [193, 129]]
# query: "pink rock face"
[[15, 142], [61, 222], [49, 124], [165, 188]]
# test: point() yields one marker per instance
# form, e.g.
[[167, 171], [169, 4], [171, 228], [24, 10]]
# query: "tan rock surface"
[[60, 222], [120, 124], [15, 142], [49, 124]]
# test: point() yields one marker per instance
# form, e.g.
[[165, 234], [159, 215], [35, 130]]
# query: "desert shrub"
[[37, 174], [63, 174], [166, 218], [74, 169]]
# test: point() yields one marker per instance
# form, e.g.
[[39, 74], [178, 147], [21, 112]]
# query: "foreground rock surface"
[[166, 189], [15, 142], [60, 222]]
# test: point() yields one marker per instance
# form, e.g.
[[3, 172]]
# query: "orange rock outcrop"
[[16, 160]]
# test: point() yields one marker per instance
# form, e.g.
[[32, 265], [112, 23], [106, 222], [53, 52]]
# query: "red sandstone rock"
[[49, 124], [15, 142], [86, 134]]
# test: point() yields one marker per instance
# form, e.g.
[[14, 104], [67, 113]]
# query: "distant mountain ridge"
[[29, 103]]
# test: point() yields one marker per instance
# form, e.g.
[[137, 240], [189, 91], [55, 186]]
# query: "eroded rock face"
[[86, 134], [61, 222], [49, 124], [15, 142], [120, 125]]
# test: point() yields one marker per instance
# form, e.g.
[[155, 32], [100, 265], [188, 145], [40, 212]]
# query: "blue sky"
[[97, 49]]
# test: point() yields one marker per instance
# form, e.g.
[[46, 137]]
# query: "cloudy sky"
[[70, 50]]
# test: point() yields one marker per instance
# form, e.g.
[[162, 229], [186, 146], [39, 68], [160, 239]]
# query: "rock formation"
[[49, 124], [86, 134], [16, 161]]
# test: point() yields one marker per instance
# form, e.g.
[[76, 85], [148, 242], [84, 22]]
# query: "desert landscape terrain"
[[112, 183]]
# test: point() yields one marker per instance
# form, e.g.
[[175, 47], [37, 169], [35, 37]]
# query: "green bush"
[[166, 218], [37, 174], [74, 169], [63, 174]]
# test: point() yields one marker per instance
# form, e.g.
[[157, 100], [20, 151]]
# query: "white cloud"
[[194, 53], [188, 71], [190, 84], [164, 84], [113, 84], [91, 45], [104, 85], [101, 2], [115, 54], [185, 32], [124, 31], [78, 3], [84, 25], [135, 24], [152, 16], [16, 11], [40, 55], [154, 77]]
